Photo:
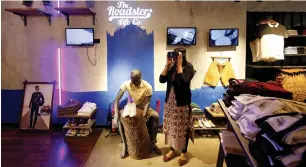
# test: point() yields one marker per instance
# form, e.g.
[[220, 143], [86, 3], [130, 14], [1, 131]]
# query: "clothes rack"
[[220, 57]]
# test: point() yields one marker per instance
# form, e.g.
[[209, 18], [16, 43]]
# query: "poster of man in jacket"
[[37, 103]]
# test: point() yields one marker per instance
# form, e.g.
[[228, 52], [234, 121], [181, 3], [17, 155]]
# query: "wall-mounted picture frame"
[[36, 110]]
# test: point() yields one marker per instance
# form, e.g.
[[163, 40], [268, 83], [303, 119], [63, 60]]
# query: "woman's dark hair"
[[183, 51]]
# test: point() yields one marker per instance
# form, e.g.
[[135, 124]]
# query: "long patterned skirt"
[[177, 120]]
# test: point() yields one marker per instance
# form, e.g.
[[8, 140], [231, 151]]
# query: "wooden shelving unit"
[[297, 36], [73, 11], [217, 119], [79, 115], [25, 12], [266, 66]]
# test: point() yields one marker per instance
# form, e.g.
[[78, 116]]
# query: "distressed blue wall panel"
[[130, 48]]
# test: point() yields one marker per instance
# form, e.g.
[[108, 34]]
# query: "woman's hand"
[[180, 63], [180, 60], [168, 62]]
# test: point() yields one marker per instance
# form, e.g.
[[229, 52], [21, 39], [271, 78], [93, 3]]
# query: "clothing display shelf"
[[217, 121], [77, 11], [79, 127], [266, 66], [25, 12], [221, 115], [80, 115], [243, 142]]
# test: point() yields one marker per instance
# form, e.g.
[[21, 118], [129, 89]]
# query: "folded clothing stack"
[[291, 50], [196, 110], [215, 107], [88, 107], [254, 88], [70, 108]]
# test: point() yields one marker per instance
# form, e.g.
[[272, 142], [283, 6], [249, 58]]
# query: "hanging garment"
[[217, 71], [269, 46]]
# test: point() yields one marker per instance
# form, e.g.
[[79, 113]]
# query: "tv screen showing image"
[[181, 36], [223, 37], [79, 36]]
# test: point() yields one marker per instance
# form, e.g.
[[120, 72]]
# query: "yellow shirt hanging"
[[217, 71]]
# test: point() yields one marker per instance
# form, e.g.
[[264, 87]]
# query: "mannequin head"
[[136, 77]]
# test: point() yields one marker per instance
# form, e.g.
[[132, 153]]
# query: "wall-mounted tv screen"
[[223, 37], [181, 36], [79, 36]]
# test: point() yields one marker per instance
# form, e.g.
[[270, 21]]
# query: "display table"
[[243, 142], [137, 136]]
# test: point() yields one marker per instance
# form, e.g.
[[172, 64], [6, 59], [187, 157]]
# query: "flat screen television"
[[223, 37], [79, 36], [181, 36]]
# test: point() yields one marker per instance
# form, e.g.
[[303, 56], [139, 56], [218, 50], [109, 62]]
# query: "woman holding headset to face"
[[177, 73]]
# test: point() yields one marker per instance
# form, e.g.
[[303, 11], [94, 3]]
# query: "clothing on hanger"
[[217, 71]]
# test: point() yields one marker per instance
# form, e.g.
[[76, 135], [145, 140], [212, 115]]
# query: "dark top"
[[181, 84], [37, 99]]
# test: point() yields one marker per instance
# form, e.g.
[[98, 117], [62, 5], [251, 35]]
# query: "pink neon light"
[[59, 75], [58, 5]]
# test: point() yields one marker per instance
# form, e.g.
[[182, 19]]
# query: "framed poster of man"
[[37, 104]]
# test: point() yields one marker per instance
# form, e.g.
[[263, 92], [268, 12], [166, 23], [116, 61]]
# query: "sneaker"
[[71, 132], [211, 124], [69, 122], [200, 123], [87, 122], [126, 110], [206, 123], [74, 122], [195, 123], [81, 122], [133, 110]]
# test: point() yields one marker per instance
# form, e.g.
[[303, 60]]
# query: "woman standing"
[[177, 112]]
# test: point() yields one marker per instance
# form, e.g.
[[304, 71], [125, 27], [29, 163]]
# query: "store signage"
[[125, 14]]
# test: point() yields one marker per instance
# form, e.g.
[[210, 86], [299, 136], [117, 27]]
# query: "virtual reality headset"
[[172, 55]]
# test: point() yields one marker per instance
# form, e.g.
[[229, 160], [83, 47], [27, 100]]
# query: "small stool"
[[137, 136]]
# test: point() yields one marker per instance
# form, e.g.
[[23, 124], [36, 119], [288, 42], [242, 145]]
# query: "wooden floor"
[[44, 149]]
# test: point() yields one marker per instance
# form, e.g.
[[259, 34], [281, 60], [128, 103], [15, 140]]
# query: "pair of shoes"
[[75, 122], [182, 162], [156, 149], [84, 132], [206, 123], [69, 122], [71, 132], [195, 123], [166, 158], [129, 110]]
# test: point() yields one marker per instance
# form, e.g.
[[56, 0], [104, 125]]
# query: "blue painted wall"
[[128, 49]]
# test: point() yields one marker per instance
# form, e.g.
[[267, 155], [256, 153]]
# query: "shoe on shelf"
[[211, 124], [206, 123], [81, 122], [133, 110], [126, 110], [200, 123], [87, 122], [71, 132], [69, 122], [195, 123], [74, 122]]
